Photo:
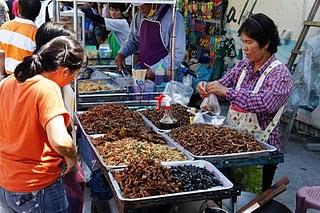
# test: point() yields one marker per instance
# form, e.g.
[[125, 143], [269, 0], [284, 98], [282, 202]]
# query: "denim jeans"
[[51, 199]]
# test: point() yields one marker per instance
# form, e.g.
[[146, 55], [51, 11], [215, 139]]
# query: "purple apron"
[[151, 47]]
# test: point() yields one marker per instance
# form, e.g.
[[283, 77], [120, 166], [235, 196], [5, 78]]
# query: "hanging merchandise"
[[204, 23]]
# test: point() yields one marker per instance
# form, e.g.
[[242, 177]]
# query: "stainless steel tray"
[[226, 184], [108, 167], [77, 120], [267, 149], [114, 86], [111, 167]]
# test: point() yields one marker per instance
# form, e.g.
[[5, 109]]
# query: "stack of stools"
[[308, 198]]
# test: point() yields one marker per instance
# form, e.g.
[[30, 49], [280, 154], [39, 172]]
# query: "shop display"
[[146, 178], [149, 178], [205, 26], [194, 178], [141, 133], [180, 113], [92, 86], [201, 140], [117, 122], [104, 118], [124, 151], [103, 85]]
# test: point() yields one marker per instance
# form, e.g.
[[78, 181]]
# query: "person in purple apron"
[[150, 33], [257, 87]]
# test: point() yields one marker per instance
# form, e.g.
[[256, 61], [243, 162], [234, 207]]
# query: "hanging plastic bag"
[[74, 184], [305, 91], [211, 104], [179, 93]]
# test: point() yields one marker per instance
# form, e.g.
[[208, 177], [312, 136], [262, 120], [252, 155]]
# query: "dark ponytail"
[[30, 67], [61, 51]]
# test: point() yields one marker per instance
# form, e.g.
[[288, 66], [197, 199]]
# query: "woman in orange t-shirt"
[[34, 142]]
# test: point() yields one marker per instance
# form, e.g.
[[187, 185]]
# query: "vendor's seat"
[[308, 198]]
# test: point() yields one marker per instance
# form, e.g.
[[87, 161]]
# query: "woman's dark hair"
[[120, 6], [62, 51], [29, 9], [48, 31], [262, 29]]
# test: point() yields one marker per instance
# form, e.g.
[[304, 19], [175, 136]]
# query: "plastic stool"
[[308, 198]]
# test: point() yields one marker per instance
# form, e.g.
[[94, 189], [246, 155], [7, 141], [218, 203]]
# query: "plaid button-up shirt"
[[273, 93]]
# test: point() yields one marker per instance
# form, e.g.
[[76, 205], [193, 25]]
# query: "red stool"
[[308, 198]]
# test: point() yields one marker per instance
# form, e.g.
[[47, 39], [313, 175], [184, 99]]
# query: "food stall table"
[[269, 158]]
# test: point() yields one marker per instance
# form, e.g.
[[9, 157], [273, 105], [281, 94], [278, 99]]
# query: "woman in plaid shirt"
[[257, 87]]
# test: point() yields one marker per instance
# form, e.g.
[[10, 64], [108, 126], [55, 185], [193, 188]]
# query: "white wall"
[[287, 14]]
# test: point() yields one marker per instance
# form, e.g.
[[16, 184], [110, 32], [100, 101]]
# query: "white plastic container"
[[104, 50]]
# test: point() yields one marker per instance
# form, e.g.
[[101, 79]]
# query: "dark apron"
[[151, 47]]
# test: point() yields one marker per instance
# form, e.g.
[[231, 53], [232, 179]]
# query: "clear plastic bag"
[[306, 78], [179, 92], [211, 104], [206, 117]]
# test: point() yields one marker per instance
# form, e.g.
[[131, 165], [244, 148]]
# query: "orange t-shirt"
[[27, 160]]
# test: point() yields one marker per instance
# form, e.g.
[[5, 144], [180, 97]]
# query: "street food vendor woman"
[[150, 33], [257, 87]]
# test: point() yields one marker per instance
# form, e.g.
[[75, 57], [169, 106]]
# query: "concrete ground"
[[302, 167]]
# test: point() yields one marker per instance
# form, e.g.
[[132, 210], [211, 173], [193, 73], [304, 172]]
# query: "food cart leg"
[[234, 204]]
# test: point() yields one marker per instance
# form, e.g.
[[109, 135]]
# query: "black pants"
[[268, 175]]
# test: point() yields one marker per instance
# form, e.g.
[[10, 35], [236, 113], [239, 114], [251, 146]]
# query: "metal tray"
[[87, 140], [77, 121], [114, 86], [110, 167], [226, 184], [267, 149]]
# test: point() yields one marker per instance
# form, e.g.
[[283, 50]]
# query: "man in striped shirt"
[[4, 12], [18, 36]]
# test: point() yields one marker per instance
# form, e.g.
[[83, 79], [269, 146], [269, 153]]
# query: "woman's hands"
[[202, 89], [71, 165], [119, 60], [205, 88]]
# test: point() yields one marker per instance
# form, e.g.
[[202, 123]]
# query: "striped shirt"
[[273, 93], [4, 10], [17, 41]]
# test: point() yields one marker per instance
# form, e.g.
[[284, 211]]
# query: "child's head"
[[29, 9], [50, 30], [116, 10]]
